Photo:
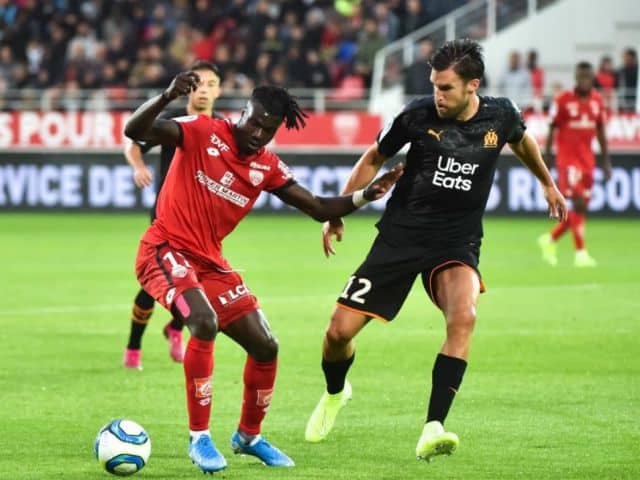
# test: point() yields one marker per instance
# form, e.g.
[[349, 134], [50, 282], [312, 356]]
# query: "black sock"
[[446, 379], [135, 337], [335, 373], [142, 310], [144, 301], [176, 323]]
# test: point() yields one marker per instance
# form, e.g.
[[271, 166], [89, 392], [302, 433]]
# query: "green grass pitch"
[[552, 390]]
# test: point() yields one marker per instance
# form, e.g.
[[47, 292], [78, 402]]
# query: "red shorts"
[[575, 180], [165, 274]]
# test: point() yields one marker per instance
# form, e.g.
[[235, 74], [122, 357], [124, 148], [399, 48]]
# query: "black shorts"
[[381, 284]]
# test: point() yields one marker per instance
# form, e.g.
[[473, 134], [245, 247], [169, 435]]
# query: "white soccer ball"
[[122, 447]]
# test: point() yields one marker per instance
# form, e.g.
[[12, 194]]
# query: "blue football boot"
[[205, 455], [260, 448]]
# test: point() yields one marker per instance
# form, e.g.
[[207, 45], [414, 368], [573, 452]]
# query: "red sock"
[[259, 378], [559, 230], [576, 220], [198, 370]]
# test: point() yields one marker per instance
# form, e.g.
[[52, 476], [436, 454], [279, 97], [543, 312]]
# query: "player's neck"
[[193, 111], [470, 110], [583, 93]]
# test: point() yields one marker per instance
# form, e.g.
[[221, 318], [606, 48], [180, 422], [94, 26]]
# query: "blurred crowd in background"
[[62, 46]]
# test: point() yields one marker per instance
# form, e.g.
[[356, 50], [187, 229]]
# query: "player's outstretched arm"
[[326, 208], [143, 124], [365, 169], [528, 152]]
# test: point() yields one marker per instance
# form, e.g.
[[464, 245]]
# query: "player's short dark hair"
[[463, 55], [584, 66], [205, 65], [277, 101]]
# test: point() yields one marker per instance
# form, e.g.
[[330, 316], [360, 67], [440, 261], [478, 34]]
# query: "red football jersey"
[[576, 119], [209, 188]]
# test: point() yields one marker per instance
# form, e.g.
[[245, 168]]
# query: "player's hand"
[[183, 84], [330, 228], [142, 177], [557, 204], [381, 185]]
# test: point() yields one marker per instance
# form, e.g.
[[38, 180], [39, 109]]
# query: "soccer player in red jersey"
[[216, 175], [577, 116], [201, 101]]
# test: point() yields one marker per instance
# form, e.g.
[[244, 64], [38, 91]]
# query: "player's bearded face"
[[255, 128], [208, 90], [452, 93]]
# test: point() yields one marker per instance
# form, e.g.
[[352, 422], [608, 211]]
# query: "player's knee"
[[266, 350], [579, 205], [461, 323], [203, 325], [338, 333]]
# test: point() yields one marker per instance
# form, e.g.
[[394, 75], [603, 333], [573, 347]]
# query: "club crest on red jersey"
[[256, 177]]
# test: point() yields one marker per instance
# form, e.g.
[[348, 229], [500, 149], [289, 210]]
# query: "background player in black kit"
[[432, 227], [200, 101]]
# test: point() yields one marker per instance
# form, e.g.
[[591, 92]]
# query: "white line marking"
[[107, 307]]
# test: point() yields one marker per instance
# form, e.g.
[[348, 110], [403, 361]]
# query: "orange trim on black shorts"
[[368, 314], [438, 268]]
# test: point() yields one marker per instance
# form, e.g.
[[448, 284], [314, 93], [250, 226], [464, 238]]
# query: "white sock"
[[196, 434]]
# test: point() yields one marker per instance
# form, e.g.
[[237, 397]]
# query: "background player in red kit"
[[577, 116], [217, 173]]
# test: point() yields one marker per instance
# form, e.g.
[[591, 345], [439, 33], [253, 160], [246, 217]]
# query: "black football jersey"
[[449, 170]]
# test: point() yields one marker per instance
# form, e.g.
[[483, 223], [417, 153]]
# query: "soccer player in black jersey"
[[432, 227], [200, 101]]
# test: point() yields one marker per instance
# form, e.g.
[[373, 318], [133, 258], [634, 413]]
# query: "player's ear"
[[473, 85]]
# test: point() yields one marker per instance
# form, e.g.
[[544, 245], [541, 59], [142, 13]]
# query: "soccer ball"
[[122, 447]]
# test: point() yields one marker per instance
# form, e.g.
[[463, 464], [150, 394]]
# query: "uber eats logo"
[[450, 174]]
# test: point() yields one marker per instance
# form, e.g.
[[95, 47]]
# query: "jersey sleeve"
[[517, 125], [281, 176], [192, 129], [394, 135], [557, 111], [146, 146]]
